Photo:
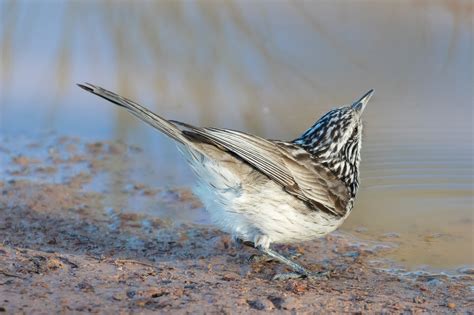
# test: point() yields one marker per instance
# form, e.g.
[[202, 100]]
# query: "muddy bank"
[[64, 249]]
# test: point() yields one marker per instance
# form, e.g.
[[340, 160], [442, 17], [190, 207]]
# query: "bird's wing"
[[287, 164], [316, 182]]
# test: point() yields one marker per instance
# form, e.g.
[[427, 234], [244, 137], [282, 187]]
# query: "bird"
[[264, 191]]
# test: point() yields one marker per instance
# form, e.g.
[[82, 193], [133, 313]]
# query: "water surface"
[[271, 68]]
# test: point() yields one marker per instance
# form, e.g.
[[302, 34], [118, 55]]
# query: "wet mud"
[[65, 249]]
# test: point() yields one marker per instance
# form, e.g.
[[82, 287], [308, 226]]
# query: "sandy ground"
[[63, 251]]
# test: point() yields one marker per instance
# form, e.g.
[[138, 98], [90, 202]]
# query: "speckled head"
[[335, 139]]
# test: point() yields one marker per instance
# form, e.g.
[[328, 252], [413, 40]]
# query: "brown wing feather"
[[315, 182], [287, 164]]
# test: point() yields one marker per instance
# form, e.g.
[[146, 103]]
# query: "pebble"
[[85, 287], [21, 160], [296, 286], [277, 301], [434, 282], [466, 270], [288, 303], [391, 235], [230, 277], [258, 304], [351, 254], [118, 296]]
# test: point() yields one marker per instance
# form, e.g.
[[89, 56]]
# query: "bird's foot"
[[255, 258], [307, 275], [299, 271], [241, 243], [259, 259]]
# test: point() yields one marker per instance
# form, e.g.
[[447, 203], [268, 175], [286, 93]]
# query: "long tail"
[[139, 111]]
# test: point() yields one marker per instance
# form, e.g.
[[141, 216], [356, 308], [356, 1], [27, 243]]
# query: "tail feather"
[[139, 111]]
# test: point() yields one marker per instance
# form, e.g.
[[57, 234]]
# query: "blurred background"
[[271, 68]]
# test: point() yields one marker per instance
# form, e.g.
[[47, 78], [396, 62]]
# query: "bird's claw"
[[307, 275], [259, 259], [319, 275]]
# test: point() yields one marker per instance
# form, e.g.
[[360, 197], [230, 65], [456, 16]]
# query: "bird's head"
[[337, 135]]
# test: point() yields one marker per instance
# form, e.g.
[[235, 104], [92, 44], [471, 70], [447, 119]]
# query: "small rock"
[[116, 148], [154, 293], [129, 216], [451, 305], [85, 287], [149, 192], [256, 304], [54, 263], [139, 186], [135, 149], [432, 237], [95, 148], [277, 301], [141, 302], [230, 277], [118, 296], [391, 235], [23, 160], [434, 282], [466, 270], [46, 169], [300, 250], [351, 254], [290, 303], [296, 286]]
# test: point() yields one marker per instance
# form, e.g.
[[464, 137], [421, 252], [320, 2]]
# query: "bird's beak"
[[360, 104]]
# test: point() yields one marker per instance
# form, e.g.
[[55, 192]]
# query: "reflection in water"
[[269, 68]]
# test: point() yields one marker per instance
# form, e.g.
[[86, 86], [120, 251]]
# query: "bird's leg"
[[300, 271], [296, 267]]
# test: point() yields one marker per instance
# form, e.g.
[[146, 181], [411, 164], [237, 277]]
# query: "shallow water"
[[272, 69]]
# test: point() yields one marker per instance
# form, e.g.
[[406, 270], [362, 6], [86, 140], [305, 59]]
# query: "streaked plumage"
[[264, 191]]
